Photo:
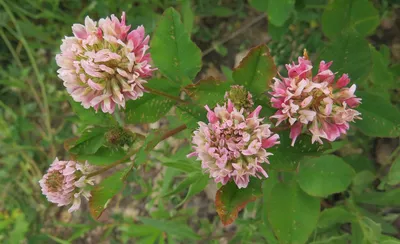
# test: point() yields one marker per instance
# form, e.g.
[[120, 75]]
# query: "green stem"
[[128, 156]]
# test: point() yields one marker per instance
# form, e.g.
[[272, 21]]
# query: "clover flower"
[[318, 104], [65, 182], [105, 65], [232, 145]]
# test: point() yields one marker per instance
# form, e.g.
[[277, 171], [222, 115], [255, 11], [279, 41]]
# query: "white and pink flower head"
[[233, 145], [317, 103], [104, 65], [65, 182]]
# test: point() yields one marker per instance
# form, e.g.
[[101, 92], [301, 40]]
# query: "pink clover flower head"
[[105, 64], [317, 103], [233, 145], [65, 182]]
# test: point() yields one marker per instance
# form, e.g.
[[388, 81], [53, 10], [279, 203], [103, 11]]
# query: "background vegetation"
[[166, 204]]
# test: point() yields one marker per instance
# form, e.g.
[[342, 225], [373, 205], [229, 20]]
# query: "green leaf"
[[208, 92], [385, 199], [197, 187], [379, 117], [351, 55], [287, 158], [381, 77], [362, 180], [103, 156], [333, 240], [267, 187], [151, 140], [171, 227], [229, 199], [255, 71], [365, 231], [228, 73], [90, 141], [21, 227], [148, 109], [187, 15], [388, 240], [386, 226], [184, 166], [278, 32], [151, 107], [90, 116], [173, 53], [260, 5], [191, 179], [292, 213], [360, 163], [191, 115], [324, 175], [334, 216], [104, 192], [354, 14], [280, 11], [394, 173]]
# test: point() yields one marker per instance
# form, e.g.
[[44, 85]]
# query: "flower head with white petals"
[[232, 145], [65, 182], [317, 103], [104, 65]]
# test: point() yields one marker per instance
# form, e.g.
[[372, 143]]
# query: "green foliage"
[[104, 192], [394, 173], [351, 55], [151, 107], [280, 11], [360, 15], [299, 216], [255, 71], [175, 55], [287, 158], [331, 217], [191, 115], [103, 156], [324, 175], [229, 200], [90, 116], [90, 141], [208, 92], [172, 228], [380, 117]]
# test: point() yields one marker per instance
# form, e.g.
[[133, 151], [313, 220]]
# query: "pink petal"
[[343, 81], [295, 132]]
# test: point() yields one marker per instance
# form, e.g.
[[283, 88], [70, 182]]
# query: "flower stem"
[[157, 92], [129, 155]]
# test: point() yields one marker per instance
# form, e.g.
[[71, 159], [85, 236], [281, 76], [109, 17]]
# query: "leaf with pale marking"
[[229, 199]]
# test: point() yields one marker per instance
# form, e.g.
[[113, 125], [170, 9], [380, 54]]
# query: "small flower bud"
[[119, 137], [240, 98]]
